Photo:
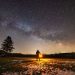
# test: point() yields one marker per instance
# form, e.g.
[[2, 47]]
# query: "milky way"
[[47, 25]]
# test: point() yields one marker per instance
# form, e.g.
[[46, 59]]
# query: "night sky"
[[47, 25]]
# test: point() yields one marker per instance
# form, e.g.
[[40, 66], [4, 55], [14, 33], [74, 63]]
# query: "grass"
[[6, 64], [11, 65], [5, 60]]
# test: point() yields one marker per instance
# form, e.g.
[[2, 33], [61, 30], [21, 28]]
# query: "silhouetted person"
[[37, 54]]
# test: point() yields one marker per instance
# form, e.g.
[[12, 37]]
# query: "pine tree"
[[7, 45]]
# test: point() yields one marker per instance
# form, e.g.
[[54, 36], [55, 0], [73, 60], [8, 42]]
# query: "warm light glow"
[[40, 55]]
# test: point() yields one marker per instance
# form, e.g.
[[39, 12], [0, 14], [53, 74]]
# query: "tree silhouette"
[[7, 45]]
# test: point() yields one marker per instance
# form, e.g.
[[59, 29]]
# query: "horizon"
[[41, 53], [45, 54]]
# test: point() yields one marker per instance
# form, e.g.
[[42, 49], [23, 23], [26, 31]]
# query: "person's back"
[[37, 54]]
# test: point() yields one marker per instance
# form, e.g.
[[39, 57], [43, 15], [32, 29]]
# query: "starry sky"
[[45, 25]]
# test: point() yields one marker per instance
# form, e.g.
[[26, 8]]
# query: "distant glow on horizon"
[[45, 47]]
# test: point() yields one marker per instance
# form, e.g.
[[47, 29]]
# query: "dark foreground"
[[28, 66]]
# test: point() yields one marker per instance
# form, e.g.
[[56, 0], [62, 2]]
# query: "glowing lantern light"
[[40, 55]]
